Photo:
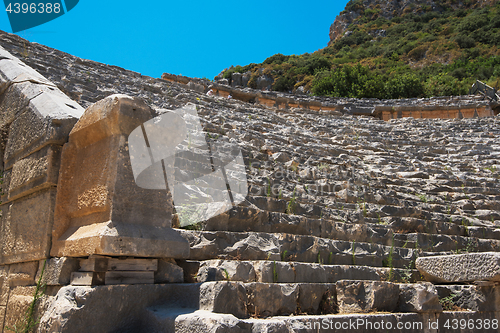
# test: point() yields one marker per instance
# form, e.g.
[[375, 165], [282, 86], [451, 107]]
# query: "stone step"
[[241, 219], [261, 300], [205, 321], [374, 205], [296, 272], [207, 245], [439, 243]]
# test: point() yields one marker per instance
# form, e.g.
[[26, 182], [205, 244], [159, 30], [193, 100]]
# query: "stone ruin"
[[351, 223]]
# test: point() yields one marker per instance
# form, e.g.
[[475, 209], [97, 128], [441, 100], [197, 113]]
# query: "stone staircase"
[[339, 210], [344, 199]]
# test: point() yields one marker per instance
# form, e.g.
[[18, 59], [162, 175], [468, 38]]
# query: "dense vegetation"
[[429, 53]]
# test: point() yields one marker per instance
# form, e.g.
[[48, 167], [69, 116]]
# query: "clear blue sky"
[[192, 38]]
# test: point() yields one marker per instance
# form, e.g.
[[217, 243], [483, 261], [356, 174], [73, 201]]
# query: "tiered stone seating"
[[337, 204]]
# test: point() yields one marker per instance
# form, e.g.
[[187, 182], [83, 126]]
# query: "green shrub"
[[444, 85], [284, 84], [473, 22], [404, 86], [276, 59], [465, 42]]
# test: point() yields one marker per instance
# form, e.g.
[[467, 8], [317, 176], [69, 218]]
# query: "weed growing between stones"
[[320, 261], [389, 262], [323, 166], [423, 198], [283, 255], [28, 323], [353, 252], [407, 273], [447, 302], [362, 207], [292, 204], [275, 272], [493, 169], [330, 255], [226, 274]]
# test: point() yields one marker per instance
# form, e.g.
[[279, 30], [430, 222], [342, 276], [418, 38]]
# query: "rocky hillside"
[[390, 49], [359, 10]]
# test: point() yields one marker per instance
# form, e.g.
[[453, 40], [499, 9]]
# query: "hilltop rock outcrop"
[[392, 8]]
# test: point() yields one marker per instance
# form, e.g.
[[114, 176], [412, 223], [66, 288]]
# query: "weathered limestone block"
[[35, 172], [4, 285], [22, 274], [271, 299], [311, 273], [38, 118], [251, 245], [469, 297], [19, 300], [168, 272], [2, 315], [460, 268], [224, 297], [269, 326], [47, 119], [274, 271], [419, 297], [366, 296], [13, 70], [311, 295], [205, 321], [117, 308], [57, 271], [216, 270], [99, 207], [26, 227]]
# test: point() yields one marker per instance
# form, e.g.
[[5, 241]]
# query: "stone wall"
[[35, 120], [434, 108]]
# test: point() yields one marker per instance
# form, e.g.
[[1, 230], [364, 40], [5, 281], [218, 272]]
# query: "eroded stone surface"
[[26, 227], [19, 300], [460, 268], [470, 297], [57, 271], [218, 270], [204, 321], [272, 299], [366, 296], [224, 297], [419, 297], [73, 306], [169, 272], [99, 208]]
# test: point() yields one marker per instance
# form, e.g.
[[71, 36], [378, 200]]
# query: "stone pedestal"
[[99, 207]]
